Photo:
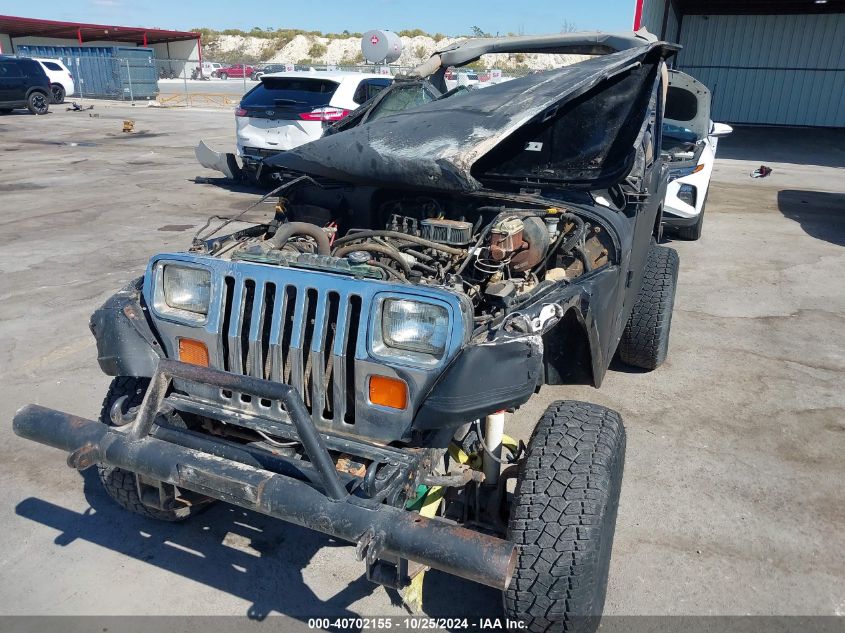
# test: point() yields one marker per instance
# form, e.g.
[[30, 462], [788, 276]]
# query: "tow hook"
[[118, 417]]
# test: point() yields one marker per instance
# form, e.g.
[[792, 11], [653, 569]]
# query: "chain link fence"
[[138, 76], [186, 82]]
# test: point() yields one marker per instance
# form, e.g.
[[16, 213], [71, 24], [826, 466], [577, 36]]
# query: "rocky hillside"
[[346, 50]]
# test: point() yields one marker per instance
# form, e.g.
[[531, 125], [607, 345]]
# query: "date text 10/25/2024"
[[415, 623]]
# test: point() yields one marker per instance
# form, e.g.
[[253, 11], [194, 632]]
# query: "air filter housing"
[[451, 232]]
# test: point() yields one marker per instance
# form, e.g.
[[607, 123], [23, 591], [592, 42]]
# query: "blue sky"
[[448, 17]]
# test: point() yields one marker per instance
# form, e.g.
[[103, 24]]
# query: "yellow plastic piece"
[[473, 460], [509, 443], [412, 595]]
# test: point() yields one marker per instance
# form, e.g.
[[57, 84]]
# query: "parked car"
[[23, 84], [288, 109], [454, 78], [211, 69], [61, 79], [347, 365], [689, 141], [271, 68], [236, 71]]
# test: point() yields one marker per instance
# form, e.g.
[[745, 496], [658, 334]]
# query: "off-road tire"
[[645, 339], [38, 102], [120, 484], [57, 93], [563, 518]]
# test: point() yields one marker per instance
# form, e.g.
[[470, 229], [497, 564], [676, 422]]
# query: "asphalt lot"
[[732, 499]]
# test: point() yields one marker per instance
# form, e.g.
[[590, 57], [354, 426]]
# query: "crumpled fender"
[[468, 389], [126, 344]]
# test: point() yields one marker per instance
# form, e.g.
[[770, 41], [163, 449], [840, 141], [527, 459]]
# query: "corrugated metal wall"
[[110, 72], [762, 69], [770, 69], [652, 19]]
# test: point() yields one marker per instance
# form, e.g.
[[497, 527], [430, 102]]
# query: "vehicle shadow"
[[820, 213], [617, 364], [229, 184], [254, 557]]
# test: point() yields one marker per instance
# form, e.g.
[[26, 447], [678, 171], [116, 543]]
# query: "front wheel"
[[563, 518], [224, 76], [38, 103], [122, 485], [57, 93]]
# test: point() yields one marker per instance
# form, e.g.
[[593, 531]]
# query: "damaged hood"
[[575, 126]]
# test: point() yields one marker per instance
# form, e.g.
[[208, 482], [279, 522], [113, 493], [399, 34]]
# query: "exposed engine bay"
[[499, 256]]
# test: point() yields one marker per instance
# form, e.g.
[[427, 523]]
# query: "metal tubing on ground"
[[445, 546]]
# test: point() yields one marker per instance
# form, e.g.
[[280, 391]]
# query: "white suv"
[[289, 109], [61, 81]]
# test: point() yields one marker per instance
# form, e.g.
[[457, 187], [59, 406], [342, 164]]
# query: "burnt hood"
[[576, 126]]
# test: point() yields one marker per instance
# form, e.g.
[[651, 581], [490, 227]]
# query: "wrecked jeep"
[[347, 365]]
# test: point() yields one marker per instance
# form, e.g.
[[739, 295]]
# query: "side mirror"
[[720, 129]]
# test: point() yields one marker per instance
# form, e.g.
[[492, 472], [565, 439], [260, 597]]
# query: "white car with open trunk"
[[689, 143]]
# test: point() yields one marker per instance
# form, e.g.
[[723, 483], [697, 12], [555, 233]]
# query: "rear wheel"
[[122, 485], [645, 340], [38, 103], [57, 93], [564, 516], [224, 76]]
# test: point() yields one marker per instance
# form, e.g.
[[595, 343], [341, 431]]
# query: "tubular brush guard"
[[325, 505]]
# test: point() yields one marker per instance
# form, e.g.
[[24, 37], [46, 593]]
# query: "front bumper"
[[322, 502], [677, 221]]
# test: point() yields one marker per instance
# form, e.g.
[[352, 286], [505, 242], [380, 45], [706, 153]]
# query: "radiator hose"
[[288, 230]]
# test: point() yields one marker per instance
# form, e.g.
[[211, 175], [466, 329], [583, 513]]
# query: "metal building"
[[775, 62], [106, 60]]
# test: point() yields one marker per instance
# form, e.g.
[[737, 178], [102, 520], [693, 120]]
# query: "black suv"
[[23, 84]]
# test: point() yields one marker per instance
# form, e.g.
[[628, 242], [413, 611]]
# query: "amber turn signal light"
[[388, 392], [193, 352]]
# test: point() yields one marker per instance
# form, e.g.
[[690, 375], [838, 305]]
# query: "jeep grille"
[[305, 337]]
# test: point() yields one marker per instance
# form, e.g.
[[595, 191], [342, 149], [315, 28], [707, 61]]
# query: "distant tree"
[[568, 27], [477, 32]]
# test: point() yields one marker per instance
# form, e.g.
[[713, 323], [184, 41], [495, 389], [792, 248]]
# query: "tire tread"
[[563, 517], [645, 339]]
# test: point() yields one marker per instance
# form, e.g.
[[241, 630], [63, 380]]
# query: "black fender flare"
[[127, 344]]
